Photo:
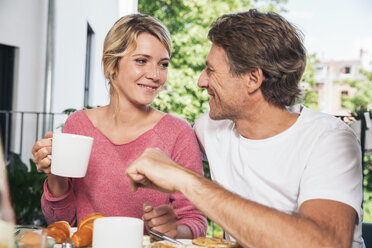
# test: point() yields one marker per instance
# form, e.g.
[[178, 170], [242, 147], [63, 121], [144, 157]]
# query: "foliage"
[[26, 188], [188, 22], [214, 230], [367, 189], [362, 101], [72, 110], [308, 83]]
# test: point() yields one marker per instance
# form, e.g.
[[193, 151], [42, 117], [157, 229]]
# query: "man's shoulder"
[[323, 123]]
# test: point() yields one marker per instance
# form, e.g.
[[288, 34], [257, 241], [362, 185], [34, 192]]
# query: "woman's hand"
[[162, 219], [41, 149]]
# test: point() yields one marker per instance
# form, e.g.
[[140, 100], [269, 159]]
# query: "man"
[[285, 177]]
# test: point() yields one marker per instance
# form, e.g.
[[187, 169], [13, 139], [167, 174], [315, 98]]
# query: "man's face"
[[226, 91]]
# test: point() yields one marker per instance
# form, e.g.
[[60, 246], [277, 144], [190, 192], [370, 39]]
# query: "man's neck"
[[264, 121]]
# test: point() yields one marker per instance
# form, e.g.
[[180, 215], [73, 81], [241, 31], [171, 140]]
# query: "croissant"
[[83, 236], [60, 231]]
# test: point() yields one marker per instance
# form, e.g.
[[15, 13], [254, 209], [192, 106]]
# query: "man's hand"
[[154, 169], [162, 219]]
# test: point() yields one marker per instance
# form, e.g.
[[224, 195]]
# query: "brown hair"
[[267, 41], [122, 39]]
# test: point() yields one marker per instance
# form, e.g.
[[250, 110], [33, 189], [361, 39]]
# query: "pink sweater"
[[106, 189]]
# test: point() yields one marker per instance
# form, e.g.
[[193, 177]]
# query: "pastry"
[[31, 239], [60, 231], [84, 234], [214, 242], [166, 244]]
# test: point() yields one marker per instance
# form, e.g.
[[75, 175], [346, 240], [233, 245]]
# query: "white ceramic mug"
[[70, 154], [117, 232]]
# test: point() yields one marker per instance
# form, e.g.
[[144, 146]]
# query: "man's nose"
[[203, 80]]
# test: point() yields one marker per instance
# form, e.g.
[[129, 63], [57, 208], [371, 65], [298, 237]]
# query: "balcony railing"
[[20, 129]]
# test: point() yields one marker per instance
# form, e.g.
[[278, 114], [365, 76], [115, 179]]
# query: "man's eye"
[[141, 61], [209, 70]]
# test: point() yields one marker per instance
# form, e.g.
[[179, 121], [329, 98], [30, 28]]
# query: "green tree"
[[308, 83], [362, 100], [188, 22]]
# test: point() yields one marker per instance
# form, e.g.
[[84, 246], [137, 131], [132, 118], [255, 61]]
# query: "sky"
[[333, 29]]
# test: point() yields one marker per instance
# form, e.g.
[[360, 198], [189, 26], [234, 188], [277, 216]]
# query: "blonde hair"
[[122, 39]]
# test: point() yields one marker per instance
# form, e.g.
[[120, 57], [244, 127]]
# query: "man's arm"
[[320, 223]]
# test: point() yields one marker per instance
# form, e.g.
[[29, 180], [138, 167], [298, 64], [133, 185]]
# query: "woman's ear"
[[113, 74], [254, 80]]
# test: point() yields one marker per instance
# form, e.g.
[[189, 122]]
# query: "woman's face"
[[141, 73]]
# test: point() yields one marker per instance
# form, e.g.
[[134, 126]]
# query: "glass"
[[30, 236], [6, 210]]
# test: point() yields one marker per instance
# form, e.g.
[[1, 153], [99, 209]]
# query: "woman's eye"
[[165, 65], [141, 61]]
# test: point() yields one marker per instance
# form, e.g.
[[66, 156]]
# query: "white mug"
[[117, 232], [70, 154]]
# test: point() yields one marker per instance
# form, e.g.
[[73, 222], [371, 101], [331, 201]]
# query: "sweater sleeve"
[[59, 208], [186, 152], [63, 207]]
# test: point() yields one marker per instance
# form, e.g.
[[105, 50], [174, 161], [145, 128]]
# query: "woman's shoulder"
[[77, 121], [77, 115], [172, 121]]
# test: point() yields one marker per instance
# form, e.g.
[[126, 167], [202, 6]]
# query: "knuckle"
[[153, 222], [38, 143]]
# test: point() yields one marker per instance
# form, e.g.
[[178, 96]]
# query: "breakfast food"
[[163, 244], [214, 242], [31, 239], [84, 234], [60, 231], [199, 243]]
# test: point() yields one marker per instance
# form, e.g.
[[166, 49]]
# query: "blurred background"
[[50, 66]]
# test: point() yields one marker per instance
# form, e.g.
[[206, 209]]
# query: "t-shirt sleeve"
[[334, 170], [186, 152]]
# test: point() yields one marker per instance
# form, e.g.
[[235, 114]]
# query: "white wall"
[[23, 24], [71, 24]]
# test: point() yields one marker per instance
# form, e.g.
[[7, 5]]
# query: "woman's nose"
[[154, 73]]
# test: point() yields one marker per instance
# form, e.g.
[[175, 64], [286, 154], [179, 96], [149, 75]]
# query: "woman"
[[136, 55]]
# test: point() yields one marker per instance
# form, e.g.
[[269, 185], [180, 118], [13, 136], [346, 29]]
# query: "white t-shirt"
[[318, 157]]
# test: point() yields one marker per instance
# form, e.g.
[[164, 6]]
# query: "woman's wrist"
[[57, 185]]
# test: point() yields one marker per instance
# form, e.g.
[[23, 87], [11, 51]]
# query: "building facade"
[[329, 73], [50, 61]]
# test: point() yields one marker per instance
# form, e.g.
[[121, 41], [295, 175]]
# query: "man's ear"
[[254, 80]]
